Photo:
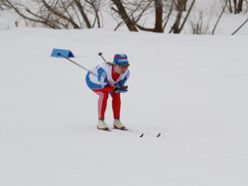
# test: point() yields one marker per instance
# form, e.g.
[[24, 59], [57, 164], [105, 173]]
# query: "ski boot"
[[118, 125], [101, 125]]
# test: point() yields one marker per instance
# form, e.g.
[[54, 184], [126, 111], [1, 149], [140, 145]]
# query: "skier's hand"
[[122, 89]]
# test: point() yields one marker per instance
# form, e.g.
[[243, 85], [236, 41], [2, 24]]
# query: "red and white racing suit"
[[102, 80]]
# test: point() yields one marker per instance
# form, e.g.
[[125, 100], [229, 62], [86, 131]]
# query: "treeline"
[[136, 15]]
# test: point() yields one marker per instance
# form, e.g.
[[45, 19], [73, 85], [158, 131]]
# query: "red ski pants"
[[102, 103]]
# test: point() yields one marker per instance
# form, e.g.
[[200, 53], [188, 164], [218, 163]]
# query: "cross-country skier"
[[109, 79]]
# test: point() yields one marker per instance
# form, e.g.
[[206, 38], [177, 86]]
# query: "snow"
[[4, 24], [193, 89]]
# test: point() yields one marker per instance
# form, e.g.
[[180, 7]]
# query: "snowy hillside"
[[191, 89]]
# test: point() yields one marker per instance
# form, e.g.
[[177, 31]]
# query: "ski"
[[107, 130], [156, 135], [124, 129], [141, 134]]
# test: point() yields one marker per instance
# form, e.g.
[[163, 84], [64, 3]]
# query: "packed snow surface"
[[192, 89]]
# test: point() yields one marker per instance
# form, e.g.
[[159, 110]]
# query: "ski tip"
[[125, 129], [141, 135], [158, 135], [104, 129]]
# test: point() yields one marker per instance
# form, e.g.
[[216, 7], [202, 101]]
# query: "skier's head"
[[121, 63], [121, 59]]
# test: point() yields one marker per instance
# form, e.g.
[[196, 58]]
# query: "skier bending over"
[[105, 79]]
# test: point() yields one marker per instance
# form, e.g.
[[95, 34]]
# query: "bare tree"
[[240, 6], [60, 14], [178, 26], [199, 24], [181, 5], [246, 21], [158, 26], [220, 16], [236, 6], [159, 16], [134, 14], [170, 7], [124, 15], [2, 4]]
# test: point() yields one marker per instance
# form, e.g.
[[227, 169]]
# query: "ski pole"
[[100, 54], [75, 63], [82, 67]]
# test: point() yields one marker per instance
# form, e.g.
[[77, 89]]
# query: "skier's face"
[[121, 69]]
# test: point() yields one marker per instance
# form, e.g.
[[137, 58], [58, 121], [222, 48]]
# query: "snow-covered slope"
[[192, 89]]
